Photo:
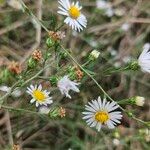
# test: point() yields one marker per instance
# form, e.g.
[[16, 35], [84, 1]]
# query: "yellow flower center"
[[101, 116], [74, 12], [39, 95]]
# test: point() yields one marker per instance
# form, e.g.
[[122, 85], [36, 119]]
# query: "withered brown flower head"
[[14, 67], [62, 112], [16, 147], [56, 35], [79, 74], [37, 55]]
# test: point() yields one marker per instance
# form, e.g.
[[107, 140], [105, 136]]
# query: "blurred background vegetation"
[[119, 33]]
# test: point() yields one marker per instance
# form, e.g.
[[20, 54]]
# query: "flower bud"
[[44, 110], [139, 101], [54, 112], [63, 55], [50, 42], [116, 134], [94, 55], [32, 63], [53, 80], [134, 65], [15, 147], [5, 76], [79, 74], [37, 55], [130, 114], [56, 36], [14, 67], [62, 112]]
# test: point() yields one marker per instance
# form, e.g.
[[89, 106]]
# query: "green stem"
[[43, 78], [35, 76], [32, 15], [116, 70], [29, 12], [100, 87], [20, 109], [86, 63], [124, 101], [141, 121]]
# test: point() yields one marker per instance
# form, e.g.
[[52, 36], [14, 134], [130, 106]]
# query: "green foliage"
[[110, 74]]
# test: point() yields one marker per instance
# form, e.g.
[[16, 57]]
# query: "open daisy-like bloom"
[[65, 85], [75, 18], [39, 96], [100, 113], [144, 59]]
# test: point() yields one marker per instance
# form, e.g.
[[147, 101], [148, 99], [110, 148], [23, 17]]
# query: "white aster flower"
[[100, 113], [75, 18], [65, 85], [144, 59], [39, 96]]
